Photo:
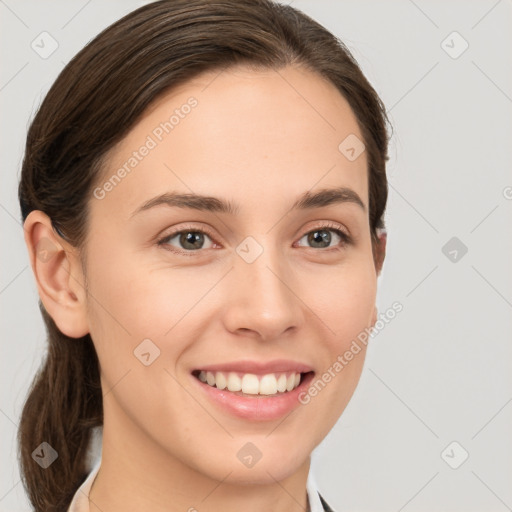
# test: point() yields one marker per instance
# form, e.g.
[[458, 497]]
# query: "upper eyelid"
[[173, 233]]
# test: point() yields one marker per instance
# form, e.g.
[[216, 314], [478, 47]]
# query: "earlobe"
[[374, 317], [379, 250], [58, 274]]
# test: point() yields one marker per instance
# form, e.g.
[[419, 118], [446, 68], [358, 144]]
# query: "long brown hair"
[[97, 98]]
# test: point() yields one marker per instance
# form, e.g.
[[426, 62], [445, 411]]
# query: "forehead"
[[243, 134]]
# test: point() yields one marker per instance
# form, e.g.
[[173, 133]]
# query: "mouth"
[[253, 385], [254, 390]]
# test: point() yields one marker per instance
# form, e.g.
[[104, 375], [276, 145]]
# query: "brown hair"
[[97, 98]]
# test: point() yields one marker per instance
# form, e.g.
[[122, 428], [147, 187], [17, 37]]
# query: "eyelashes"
[[342, 235], [316, 235], [184, 239]]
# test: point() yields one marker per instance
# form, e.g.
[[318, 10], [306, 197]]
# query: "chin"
[[264, 468]]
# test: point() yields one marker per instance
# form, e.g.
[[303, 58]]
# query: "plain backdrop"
[[428, 428]]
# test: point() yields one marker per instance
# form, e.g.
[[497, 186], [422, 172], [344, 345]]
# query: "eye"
[[187, 240], [322, 236], [190, 240]]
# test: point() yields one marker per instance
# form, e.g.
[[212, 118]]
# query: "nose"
[[263, 300]]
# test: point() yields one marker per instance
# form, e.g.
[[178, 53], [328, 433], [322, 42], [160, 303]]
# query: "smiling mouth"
[[250, 384]]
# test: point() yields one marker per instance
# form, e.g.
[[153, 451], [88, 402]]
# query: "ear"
[[374, 316], [379, 250], [58, 273], [379, 253]]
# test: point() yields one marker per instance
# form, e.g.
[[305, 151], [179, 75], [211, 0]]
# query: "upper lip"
[[258, 367]]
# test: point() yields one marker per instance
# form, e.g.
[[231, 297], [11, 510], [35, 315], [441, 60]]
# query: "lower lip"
[[257, 408]]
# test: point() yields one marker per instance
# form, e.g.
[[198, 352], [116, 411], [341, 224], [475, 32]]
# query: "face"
[[277, 286]]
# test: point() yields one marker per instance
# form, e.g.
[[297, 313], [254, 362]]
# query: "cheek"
[[345, 306], [344, 301], [130, 296], [131, 309], [132, 302], [123, 309]]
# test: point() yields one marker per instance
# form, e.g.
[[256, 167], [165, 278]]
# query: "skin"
[[254, 140]]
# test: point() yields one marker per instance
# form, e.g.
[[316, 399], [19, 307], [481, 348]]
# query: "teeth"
[[210, 378], [234, 382], [268, 385], [251, 384], [220, 381], [290, 382], [281, 383]]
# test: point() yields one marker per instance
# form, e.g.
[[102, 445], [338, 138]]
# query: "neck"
[[139, 475]]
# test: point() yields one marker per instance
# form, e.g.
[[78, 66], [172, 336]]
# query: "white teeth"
[[290, 382], [251, 384], [268, 385], [220, 380], [281, 383], [234, 382], [210, 378]]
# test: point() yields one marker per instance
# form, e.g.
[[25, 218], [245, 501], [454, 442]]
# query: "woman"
[[203, 193]]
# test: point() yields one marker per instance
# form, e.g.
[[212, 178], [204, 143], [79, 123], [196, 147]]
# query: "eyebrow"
[[308, 200]]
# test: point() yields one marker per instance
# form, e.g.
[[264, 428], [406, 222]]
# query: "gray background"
[[440, 371]]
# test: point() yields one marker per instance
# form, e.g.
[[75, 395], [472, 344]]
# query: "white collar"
[[80, 501], [315, 505]]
